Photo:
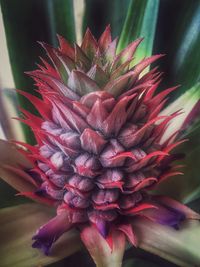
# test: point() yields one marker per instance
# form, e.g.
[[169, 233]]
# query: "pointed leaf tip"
[[89, 44], [105, 39], [81, 83]]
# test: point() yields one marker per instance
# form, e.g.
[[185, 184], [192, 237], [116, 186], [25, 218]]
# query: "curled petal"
[[169, 202], [165, 216], [50, 232], [168, 212]]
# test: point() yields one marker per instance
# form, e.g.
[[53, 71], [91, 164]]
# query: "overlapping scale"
[[99, 149]]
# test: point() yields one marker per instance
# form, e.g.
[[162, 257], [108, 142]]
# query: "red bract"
[[100, 146]]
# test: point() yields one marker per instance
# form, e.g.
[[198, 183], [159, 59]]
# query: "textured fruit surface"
[[101, 143]]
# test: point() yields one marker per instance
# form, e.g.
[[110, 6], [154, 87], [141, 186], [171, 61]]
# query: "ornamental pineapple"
[[101, 143]]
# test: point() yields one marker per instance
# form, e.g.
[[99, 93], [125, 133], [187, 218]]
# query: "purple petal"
[[102, 227], [165, 215], [50, 232], [177, 206]]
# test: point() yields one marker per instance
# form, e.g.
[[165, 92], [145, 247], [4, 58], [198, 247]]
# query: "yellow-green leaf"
[[18, 225], [140, 21], [178, 246]]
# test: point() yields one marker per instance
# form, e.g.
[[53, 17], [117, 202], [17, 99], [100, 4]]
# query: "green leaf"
[[186, 103], [195, 205], [186, 67], [5, 123], [178, 36], [8, 196], [188, 185], [178, 246], [9, 99], [18, 225], [100, 13], [61, 19], [26, 23], [140, 21]]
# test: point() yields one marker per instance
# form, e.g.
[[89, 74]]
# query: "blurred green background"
[[171, 27]]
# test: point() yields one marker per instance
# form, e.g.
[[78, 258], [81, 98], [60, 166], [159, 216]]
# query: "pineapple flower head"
[[102, 145]]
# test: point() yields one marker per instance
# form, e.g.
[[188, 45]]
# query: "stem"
[[103, 254]]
